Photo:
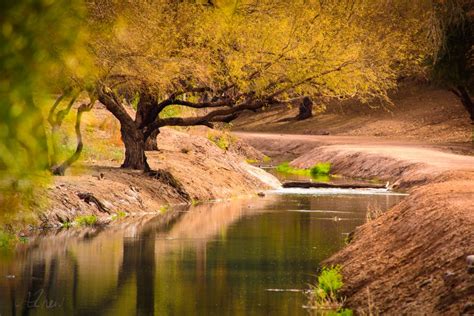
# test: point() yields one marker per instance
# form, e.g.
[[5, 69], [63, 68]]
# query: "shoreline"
[[412, 258]]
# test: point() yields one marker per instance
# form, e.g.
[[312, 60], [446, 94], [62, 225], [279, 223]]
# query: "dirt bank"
[[189, 167], [418, 113], [410, 260]]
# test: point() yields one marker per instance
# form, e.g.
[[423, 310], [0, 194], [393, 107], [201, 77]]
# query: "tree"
[[244, 55], [453, 61]]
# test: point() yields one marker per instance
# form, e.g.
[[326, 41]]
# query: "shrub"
[[324, 296], [321, 168], [319, 171], [7, 240], [286, 168], [330, 280], [86, 220]]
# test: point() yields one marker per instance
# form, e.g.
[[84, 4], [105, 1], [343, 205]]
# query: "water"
[[244, 257]]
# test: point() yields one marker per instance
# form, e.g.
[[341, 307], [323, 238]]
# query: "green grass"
[[330, 281], [86, 220], [320, 170], [223, 140], [164, 208], [66, 225], [7, 240], [286, 168], [265, 159], [325, 295], [119, 215]]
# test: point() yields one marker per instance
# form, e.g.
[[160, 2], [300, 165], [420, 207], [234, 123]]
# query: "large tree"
[[221, 58]]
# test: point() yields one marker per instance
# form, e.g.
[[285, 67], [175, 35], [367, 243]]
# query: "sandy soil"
[[199, 171], [419, 113], [410, 260]]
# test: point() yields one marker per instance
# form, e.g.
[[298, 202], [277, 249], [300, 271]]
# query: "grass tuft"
[[7, 240], [119, 215], [324, 296], [86, 220], [320, 170]]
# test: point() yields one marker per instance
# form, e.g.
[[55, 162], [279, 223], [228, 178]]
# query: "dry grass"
[[373, 211]]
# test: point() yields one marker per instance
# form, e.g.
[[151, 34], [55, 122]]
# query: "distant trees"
[[221, 58]]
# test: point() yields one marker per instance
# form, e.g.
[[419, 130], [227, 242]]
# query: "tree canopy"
[[231, 56], [217, 58]]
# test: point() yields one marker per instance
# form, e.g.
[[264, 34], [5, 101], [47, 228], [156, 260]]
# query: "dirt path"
[[412, 259], [410, 151]]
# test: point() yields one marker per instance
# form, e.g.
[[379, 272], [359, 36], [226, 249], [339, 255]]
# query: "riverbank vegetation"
[[324, 298], [320, 171]]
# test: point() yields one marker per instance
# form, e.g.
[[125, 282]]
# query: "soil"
[[419, 113], [187, 168], [412, 259]]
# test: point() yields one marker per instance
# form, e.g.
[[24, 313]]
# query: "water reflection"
[[226, 258]]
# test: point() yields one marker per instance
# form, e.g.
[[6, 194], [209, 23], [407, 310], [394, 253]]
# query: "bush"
[[318, 171], [86, 220], [321, 168], [7, 240], [324, 296], [286, 168], [330, 281]]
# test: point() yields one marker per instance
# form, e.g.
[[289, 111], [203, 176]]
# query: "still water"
[[244, 257]]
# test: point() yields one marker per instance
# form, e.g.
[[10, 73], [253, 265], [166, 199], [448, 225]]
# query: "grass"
[[66, 225], [222, 140], [325, 295], [164, 208], [373, 211], [265, 159], [86, 220], [321, 169], [7, 240], [196, 202], [119, 215], [286, 168]]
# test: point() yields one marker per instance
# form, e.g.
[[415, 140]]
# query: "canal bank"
[[412, 259]]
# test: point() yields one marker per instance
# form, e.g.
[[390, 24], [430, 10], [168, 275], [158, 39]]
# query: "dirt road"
[[403, 150]]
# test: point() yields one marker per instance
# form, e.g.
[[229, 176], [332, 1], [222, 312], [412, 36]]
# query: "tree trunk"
[[306, 109], [466, 100], [151, 143], [134, 149]]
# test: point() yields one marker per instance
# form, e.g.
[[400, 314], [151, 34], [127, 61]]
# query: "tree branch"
[[59, 170]]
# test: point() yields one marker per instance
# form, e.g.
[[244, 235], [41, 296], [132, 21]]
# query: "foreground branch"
[[60, 170]]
